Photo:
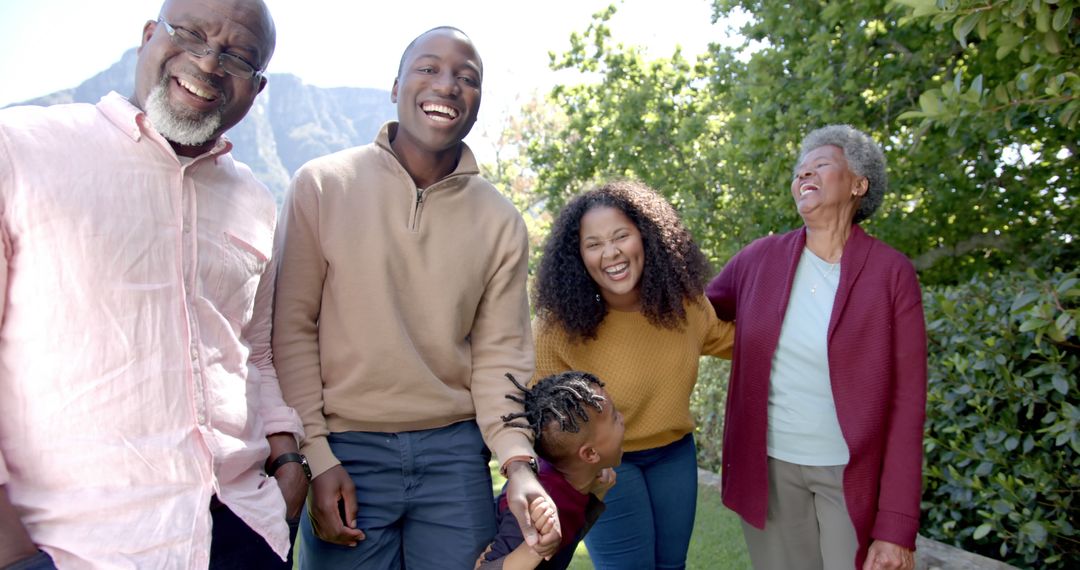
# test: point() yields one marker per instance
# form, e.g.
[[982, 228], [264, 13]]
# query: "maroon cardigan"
[[877, 364]]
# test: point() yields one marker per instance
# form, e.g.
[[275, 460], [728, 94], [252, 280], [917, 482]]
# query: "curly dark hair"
[[675, 270], [558, 401]]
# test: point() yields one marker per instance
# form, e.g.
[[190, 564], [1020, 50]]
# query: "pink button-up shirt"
[[136, 378]]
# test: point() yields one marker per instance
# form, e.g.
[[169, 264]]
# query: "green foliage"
[[1025, 50], [974, 103], [718, 135], [707, 407], [1003, 418]]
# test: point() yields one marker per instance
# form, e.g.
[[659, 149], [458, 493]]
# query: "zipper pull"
[[419, 196]]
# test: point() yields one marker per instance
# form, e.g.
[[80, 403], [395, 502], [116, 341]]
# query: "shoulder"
[[492, 200], [885, 258], [770, 245], [339, 172], [33, 125], [769, 249]]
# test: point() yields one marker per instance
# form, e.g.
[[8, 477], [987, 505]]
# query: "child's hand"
[[543, 517], [604, 481]]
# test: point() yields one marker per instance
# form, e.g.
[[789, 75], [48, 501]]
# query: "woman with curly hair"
[[824, 425], [620, 294]]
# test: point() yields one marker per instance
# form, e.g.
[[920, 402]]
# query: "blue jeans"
[[650, 510], [424, 500]]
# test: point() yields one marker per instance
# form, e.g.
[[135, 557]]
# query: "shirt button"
[[194, 353]]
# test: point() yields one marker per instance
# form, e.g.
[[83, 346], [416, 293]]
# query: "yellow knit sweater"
[[648, 371]]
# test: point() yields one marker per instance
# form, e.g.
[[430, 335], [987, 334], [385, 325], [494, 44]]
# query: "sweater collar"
[[466, 164]]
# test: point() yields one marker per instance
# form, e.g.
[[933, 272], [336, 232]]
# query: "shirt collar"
[[133, 122]]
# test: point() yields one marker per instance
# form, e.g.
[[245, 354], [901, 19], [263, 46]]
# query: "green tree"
[[718, 135]]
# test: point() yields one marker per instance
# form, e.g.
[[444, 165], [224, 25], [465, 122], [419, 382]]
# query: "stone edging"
[[929, 554]]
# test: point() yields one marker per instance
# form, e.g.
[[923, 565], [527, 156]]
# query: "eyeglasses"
[[187, 40]]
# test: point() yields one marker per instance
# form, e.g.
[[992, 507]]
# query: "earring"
[[598, 297]]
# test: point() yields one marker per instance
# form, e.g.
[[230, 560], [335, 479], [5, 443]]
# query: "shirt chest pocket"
[[234, 266]]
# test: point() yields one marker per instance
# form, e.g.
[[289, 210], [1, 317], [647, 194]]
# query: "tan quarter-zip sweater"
[[398, 308]]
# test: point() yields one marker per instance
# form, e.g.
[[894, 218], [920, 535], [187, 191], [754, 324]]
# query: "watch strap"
[[291, 457]]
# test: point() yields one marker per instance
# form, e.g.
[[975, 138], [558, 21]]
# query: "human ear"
[[147, 32], [861, 186], [588, 454], [393, 92]]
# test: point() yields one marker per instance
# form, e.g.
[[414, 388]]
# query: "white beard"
[[194, 130]]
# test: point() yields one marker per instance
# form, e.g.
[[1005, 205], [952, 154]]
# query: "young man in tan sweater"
[[401, 304]]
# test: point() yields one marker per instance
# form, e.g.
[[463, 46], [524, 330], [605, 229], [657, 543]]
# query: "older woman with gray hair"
[[824, 425]]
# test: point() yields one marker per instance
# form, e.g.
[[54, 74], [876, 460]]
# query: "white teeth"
[[803, 190], [616, 268], [436, 108], [195, 90]]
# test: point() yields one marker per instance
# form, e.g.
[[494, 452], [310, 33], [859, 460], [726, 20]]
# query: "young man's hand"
[[331, 488], [522, 489]]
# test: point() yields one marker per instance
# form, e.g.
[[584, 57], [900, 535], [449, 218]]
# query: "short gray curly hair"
[[864, 158]]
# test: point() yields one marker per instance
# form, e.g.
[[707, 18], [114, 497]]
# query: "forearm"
[[522, 558], [282, 442], [15, 543]]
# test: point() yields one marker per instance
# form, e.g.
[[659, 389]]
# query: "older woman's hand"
[[888, 556]]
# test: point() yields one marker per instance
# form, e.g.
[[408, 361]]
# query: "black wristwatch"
[[291, 457]]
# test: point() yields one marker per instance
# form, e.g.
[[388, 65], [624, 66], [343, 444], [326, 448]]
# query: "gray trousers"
[[808, 527]]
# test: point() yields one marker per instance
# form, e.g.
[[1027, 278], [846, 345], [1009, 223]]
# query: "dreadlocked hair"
[[560, 400], [675, 269]]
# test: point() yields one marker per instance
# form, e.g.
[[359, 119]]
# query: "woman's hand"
[[888, 556]]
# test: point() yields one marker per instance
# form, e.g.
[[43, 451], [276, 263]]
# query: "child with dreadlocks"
[[579, 438]]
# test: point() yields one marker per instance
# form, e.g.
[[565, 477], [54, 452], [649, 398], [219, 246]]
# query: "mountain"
[[289, 124]]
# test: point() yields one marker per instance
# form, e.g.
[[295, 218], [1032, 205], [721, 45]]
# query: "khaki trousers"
[[808, 526]]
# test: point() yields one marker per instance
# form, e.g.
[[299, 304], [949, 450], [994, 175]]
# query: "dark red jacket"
[[877, 364]]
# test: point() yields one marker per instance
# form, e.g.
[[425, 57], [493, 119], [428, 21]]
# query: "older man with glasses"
[[141, 422]]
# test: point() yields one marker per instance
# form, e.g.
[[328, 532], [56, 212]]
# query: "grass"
[[717, 542]]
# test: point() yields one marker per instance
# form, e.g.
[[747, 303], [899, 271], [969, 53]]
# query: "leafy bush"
[[707, 407], [1002, 469]]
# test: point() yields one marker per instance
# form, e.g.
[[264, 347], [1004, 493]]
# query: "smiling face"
[[614, 256], [437, 91], [824, 184], [191, 100]]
